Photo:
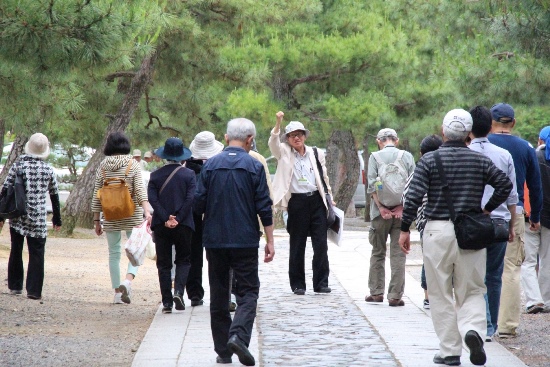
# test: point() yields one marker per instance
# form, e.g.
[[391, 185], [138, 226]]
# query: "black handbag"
[[474, 230], [331, 216], [13, 203]]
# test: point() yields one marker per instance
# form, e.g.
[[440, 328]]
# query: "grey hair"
[[454, 135], [386, 138], [240, 129]]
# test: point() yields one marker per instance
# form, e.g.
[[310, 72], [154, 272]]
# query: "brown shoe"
[[375, 298], [396, 302]]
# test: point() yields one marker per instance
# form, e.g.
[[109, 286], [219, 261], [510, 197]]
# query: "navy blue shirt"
[[176, 197], [231, 193], [527, 170]]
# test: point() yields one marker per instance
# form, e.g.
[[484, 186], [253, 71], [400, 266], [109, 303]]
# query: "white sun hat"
[[205, 145], [38, 146]]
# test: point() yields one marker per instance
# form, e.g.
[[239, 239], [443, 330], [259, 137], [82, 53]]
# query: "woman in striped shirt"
[[115, 165]]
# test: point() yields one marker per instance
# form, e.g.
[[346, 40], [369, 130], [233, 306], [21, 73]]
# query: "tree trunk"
[[2, 132], [77, 210], [366, 155], [342, 166], [17, 149]]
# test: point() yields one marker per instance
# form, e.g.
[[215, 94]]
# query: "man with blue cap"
[[527, 171]]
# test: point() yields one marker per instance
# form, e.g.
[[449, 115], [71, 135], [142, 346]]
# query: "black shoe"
[[475, 343], [237, 346], [178, 301], [299, 291], [31, 296], [449, 361], [196, 302], [323, 290], [166, 308], [223, 360]]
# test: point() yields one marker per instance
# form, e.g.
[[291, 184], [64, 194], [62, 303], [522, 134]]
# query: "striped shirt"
[[467, 173], [115, 167]]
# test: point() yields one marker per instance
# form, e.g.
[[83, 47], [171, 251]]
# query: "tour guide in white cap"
[[298, 189], [460, 318]]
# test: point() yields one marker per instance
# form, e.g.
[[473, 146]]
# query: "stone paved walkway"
[[336, 329]]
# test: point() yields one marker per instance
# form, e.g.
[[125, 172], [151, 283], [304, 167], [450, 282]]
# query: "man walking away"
[[536, 285], [460, 315], [387, 175], [527, 171], [506, 211], [232, 192]]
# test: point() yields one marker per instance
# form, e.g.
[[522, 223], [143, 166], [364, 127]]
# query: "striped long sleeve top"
[[467, 173], [115, 167]]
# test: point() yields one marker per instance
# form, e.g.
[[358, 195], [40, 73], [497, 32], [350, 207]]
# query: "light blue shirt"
[[503, 160]]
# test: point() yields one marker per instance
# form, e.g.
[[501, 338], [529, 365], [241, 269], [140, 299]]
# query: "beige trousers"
[[510, 297], [447, 267]]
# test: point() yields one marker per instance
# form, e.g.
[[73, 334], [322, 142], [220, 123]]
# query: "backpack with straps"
[[393, 177], [115, 198]]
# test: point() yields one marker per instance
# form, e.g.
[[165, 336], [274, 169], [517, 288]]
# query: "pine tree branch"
[[120, 74], [317, 77]]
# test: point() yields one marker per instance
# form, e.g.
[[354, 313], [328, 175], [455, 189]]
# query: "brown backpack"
[[115, 197]]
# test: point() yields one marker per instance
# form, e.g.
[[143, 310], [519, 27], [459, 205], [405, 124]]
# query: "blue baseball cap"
[[502, 112]]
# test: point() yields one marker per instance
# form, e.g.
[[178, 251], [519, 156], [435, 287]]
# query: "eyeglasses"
[[296, 135]]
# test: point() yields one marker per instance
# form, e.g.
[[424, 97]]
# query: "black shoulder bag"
[[13, 204], [331, 216], [474, 230]]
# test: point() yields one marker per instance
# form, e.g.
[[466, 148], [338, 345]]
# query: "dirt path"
[[75, 324]]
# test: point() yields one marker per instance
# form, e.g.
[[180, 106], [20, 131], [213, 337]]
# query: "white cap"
[[136, 153], [458, 120]]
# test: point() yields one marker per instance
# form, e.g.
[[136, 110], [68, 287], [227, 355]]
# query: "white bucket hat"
[[293, 126], [38, 146], [205, 145]]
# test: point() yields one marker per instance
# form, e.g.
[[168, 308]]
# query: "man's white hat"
[[293, 126], [458, 120], [205, 145], [136, 153]]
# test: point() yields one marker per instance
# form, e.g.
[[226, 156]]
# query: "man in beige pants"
[[458, 317], [527, 171]]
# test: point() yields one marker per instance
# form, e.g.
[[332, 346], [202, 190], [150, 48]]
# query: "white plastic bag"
[[137, 243], [150, 251]]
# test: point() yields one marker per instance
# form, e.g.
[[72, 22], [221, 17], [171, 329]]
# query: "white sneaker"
[[118, 300], [126, 289]]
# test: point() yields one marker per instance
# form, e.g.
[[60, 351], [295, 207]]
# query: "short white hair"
[[454, 135], [240, 129]]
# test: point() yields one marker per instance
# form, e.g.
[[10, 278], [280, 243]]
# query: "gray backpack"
[[393, 177]]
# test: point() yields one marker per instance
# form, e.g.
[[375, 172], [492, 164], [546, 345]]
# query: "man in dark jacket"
[[170, 191], [232, 192]]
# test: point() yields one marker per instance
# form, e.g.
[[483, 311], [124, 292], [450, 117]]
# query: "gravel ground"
[[75, 323]]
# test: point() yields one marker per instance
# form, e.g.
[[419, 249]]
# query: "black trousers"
[[307, 216], [244, 262], [194, 280], [165, 237], [35, 268]]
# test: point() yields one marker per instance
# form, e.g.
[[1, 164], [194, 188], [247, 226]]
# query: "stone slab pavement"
[[336, 329]]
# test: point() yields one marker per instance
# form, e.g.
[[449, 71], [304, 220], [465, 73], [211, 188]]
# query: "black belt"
[[306, 194]]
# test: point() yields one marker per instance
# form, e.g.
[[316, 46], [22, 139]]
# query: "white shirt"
[[302, 170]]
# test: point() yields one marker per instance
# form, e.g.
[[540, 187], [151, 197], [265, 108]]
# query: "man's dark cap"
[[502, 112]]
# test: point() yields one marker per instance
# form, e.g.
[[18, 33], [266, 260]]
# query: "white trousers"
[[448, 266], [536, 288]]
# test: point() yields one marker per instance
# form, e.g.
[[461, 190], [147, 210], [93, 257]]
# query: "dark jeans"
[[165, 237], [244, 262], [307, 216], [35, 268], [493, 282], [194, 280], [423, 283]]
